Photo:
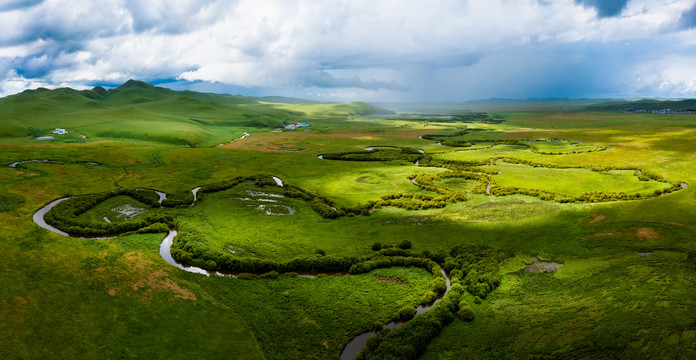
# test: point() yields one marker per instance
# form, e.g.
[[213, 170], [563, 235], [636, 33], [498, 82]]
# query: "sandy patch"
[[19, 301], [597, 219], [136, 260], [159, 280], [112, 292], [648, 234], [366, 138], [604, 234]]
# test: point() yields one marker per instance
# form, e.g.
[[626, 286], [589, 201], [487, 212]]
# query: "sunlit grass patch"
[[482, 153], [573, 182]]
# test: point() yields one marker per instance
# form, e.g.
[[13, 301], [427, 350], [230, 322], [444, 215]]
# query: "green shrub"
[[439, 285], [465, 312], [406, 312], [428, 298], [154, 228]]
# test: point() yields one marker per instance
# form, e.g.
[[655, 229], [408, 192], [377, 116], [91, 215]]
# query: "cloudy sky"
[[374, 50]]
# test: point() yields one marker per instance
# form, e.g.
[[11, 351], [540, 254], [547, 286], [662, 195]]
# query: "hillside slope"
[[139, 111]]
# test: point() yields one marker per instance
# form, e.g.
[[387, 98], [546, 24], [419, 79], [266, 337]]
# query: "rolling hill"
[[139, 111]]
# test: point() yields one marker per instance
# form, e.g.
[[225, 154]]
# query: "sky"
[[376, 50]]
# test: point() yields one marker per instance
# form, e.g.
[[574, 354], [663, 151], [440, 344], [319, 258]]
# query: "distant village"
[[661, 111], [294, 126], [57, 131]]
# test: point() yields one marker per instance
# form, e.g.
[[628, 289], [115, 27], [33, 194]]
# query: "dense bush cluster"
[[380, 262], [382, 153], [224, 185], [178, 200], [145, 196], [64, 216], [541, 194], [476, 267], [321, 204], [412, 201], [647, 176], [465, 312]]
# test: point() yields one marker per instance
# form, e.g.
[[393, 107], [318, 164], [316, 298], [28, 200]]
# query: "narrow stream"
[[245, 134], [166, 254], [162, 196], [39, 217], [195, 195], [350, 352]]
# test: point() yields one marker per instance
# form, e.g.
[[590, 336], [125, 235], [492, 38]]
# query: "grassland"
[[625, 289]]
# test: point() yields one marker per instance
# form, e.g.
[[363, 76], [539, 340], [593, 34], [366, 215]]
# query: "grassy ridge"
[[139, 111]]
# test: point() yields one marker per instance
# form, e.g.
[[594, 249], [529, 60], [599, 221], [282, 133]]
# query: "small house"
[[60, 131]]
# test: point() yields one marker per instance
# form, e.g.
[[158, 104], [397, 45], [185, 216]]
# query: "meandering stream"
[[350, 351]]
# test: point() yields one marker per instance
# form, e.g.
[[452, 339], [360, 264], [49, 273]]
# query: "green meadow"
[[373, 204]]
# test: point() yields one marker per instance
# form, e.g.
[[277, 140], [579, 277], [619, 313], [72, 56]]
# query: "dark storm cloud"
[[323, 79]]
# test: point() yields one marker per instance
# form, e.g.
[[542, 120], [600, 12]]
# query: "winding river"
[[350, 351]]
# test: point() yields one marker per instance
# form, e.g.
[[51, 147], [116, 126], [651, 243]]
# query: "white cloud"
[[14, 84], [379, 46], [672, 76]]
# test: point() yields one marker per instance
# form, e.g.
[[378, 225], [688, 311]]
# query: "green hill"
[[139, 111]]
